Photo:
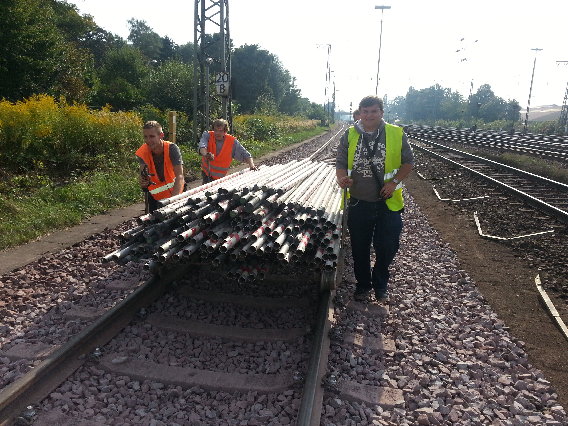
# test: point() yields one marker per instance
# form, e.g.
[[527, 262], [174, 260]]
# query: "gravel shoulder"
[[505, 280]]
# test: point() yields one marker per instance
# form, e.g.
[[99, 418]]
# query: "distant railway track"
[[552, 147], [543, 193]]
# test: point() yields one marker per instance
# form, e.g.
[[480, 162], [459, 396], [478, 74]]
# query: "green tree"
[[168, 50], [30, 48], [398, 107], [186, 53], [99, 42], [170, 86], [145, 39], [121, 76], [512, 110], [258, 75]]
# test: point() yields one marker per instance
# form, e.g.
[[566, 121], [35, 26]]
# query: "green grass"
[[32, 206], [24, 218]]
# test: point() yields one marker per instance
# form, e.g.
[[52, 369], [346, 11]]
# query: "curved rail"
[[325, 146]]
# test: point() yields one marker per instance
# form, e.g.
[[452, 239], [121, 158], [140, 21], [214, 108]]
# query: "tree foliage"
[[258, 79], [47, 47], [170, 86], [121, 76], [437, 103], [30, 48]]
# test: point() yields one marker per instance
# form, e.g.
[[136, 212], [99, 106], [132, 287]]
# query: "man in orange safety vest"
[[161, 166], [218, 149]]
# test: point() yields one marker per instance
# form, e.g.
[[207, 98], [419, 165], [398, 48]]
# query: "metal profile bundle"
[[245, 222]]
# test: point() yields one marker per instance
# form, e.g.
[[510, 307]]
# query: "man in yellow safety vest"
[[373, 157]]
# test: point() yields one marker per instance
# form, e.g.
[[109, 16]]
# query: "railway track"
[[552, 147], [178, 336], [545, 194], [101, 349], [172, 360], [519, 209]]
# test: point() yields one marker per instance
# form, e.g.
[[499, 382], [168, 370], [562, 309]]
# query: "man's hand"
[[210, 156], [144, 177], [345, 182], [144, 181], [250, 163], [387, 190]]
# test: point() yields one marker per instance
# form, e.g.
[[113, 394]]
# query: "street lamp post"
[[536, 49], [382, 8]]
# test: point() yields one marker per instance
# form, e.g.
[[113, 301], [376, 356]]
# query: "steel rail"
[[325, 145], [560, 214], [309, 411], [36, 384], [514, 170]]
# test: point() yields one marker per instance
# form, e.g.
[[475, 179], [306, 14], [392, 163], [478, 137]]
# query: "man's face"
[[153, 137], [219, 132], [371, 117]]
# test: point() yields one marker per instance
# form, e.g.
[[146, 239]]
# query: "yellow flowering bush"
[[60, 138]]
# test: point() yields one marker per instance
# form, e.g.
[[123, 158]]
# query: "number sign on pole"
[[222, 83]]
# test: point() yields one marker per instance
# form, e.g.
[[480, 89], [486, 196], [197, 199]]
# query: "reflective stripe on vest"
[[220, 165], [393, 160], [162, 188], [159, 189]]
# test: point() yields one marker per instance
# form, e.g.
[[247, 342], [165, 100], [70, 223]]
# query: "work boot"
[[361, 295], [382, 296]]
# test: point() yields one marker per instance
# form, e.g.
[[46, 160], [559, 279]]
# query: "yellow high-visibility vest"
[[393, 160]]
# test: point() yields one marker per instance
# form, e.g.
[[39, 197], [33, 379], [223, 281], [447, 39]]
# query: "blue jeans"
[[373, 222]]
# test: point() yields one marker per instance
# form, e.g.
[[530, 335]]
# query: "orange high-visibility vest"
[[218, 168], [159, 189]]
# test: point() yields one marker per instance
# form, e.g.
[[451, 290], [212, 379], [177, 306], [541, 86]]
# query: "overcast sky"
[[420, 40]]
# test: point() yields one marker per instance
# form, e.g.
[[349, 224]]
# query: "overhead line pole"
[[382, 8], [536, 50], [212, 56]]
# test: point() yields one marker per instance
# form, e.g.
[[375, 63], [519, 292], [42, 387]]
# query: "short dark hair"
[[153, 125], [221, 122], [368, 101]]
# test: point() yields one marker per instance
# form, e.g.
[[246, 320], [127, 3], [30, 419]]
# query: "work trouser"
[[152, 204], [373, 223], [205, 179]]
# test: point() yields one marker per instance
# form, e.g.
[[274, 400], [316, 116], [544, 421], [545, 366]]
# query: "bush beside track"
[[60, 163]]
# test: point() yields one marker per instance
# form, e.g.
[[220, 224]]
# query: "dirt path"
[[506, 281]]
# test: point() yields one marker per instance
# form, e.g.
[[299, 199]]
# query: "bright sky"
[[419, 42]]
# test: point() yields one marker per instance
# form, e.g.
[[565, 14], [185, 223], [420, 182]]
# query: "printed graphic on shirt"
[[361, 162]]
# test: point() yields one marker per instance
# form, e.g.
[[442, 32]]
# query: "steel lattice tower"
[[212, 64]]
